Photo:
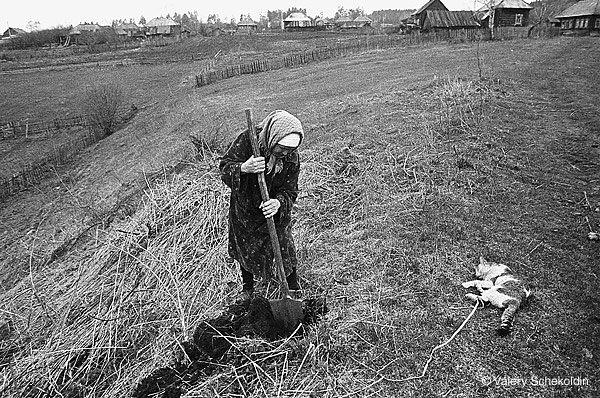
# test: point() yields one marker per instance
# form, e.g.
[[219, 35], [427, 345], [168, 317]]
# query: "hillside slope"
[[411, 170]]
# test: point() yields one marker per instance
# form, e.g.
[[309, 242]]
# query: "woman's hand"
[[253, 165], [270, 207]]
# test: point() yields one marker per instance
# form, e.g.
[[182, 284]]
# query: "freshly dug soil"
[[212, 341]]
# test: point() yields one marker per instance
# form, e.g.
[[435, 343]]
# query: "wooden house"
[[437, 20], [164, 27], [362, 21], [85, 33], [431, 5], [213, 30], [128, 30], [506, 13], [325, 24], [582, 18], [344, 23], [12, 32], [83, 28], [246, 25], [297, 21]]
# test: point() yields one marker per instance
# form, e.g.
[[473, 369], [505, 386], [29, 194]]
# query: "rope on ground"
[[383, 378], [462, 325]]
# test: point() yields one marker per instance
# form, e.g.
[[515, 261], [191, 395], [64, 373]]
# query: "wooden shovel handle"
[[264, 192]]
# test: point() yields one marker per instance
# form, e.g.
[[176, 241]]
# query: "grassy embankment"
[[440, 168]]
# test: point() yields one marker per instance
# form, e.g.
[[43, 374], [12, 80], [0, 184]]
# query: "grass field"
[[440, 167]]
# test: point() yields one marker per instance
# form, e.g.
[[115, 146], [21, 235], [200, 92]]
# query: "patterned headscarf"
[[273, 128]]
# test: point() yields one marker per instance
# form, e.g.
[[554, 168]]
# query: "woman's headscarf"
[[273, 128]]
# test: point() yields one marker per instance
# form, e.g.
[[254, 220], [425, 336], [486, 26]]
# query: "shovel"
[[286, 310]]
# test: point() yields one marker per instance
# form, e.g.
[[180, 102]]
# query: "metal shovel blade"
[[288, 311]]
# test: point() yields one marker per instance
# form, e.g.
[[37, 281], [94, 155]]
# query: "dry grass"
[[132, 300]]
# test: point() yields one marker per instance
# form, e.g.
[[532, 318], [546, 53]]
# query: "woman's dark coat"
[[249, 241]]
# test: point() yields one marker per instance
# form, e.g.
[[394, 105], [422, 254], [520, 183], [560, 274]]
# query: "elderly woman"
[[279, 136]]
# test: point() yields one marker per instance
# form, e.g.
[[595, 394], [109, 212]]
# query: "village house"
[[438, 20], [85, 28], [12, 32], [246, 25], [362, 21], [214, 30], [505, 14], [582, 18], [344, 23], [165, 27], [81, 33], [325, 24], [431, 5], [297, 21], [128, 30]]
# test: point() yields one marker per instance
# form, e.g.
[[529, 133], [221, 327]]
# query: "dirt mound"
[[210, 347]]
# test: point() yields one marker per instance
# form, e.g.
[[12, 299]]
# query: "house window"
[[597, 25], [585, 23], [519, 20]]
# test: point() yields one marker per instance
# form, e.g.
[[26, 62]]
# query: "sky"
[[18, 13]]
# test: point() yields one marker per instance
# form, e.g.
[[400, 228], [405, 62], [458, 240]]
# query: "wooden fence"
[[357, 45], [34, 172], [26, 129], [60, 154]]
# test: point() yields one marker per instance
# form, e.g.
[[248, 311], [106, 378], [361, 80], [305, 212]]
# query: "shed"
[[434, 20], [246, 25], [581, 18], [163, 27], [296, 20], [431, 5]]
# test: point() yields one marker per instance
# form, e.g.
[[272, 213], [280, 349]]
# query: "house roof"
[[343, 20], [296, 17], [429, 3], [325, 20], [127, 25], [247, 22], [362, 18], [13, 32], [450, 19], [520, 4], [85, 27], [161, 21], [584, 7]]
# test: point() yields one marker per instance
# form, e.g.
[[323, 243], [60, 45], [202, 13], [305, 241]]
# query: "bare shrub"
[[211, 141], [101, 104]]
